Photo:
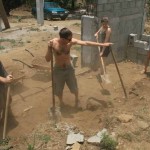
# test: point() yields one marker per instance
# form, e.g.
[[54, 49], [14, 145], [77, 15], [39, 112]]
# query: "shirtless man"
[[63, 69]]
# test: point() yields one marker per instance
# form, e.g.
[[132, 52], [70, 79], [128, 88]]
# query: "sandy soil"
[[102, 106]]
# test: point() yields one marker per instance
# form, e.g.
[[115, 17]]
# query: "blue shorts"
[[62, 76]]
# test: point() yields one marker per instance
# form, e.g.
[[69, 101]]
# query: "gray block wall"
[[125, 17], [89, 54]]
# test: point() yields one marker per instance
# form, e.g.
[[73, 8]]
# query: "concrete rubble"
[[124, 118], [96, 139], [73, 138]]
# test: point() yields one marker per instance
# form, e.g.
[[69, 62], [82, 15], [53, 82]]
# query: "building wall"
[[125, 17]]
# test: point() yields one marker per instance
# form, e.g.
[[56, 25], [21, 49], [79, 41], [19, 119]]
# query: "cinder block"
[[124, 4], [132, 39], [131, 4], [139, 3], [145, 37], [132, 56], [117, 6], [141, 59], [100, 7], [142, 51], [108, 7], [141, 44]]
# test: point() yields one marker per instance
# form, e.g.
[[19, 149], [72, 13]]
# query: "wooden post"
[[3, 15]]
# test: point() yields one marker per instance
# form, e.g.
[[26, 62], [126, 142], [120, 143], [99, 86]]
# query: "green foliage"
[[29, 145], [108, 143], [4, 142], [2, 47], [7, 40], [45, 138]]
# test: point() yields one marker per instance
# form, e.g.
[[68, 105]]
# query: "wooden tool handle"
[[6, 112], [53, 93], [102, 61], [125, 93]]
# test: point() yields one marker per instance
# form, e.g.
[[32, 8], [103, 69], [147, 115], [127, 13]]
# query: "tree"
[[11, 4], [3, 15]]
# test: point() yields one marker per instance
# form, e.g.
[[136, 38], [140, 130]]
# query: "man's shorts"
[[62, 76]]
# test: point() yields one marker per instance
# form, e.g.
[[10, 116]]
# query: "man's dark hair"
[[104, 19], [65, 33]]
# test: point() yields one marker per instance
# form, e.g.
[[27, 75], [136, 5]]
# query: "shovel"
[[105, 76], [54, 112]]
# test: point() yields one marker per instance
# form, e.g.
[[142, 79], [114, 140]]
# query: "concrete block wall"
[[125, 17], [145, 37], [136, 55], [141, 44], [138, 49]]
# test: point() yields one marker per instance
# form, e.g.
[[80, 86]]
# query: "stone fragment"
[[124, 118], [73, 138], [143, 125], [98, 137], [76, 146]]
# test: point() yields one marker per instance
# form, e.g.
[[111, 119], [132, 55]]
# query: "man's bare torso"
[[61, 52]]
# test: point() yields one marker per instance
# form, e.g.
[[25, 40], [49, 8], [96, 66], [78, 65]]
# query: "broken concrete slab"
[[73, 138], [96, 139]]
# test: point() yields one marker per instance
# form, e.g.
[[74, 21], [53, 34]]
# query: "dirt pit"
[[102, 106]]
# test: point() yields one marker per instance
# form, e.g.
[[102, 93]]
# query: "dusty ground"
[[101, 108]]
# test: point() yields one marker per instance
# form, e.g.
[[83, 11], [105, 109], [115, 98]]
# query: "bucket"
[[55, 28], [74, 59]]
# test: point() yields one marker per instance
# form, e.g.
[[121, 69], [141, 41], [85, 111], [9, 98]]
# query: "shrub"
[[108, 143]]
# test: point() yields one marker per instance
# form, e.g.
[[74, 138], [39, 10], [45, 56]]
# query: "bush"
[[108, 143]]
